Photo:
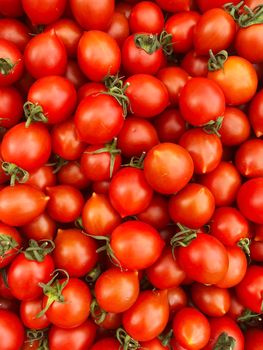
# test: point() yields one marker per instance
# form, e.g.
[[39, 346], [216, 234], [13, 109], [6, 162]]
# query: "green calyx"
[[216, 62], [166, 339], [225, 342], [251, 17], [136, 162], [214, 126], [183, 237], [37, 251], [126, 341], [16, 173], [97, 312], [6, 244], [40, 336], [150, 43], [234, 10], [57, 164], [248, 316], [6, 66], [34, 112], [244, 244]]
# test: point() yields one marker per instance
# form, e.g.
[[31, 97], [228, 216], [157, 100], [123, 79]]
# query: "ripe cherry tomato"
[[42, 177], [195, 65], [255, 113], [45, 12], [170, 125], [248, 158], [174, 5], [74, 74], [11, 331], [29, 310], [14, 31], [13, 64], [71, 174], [11, 107], [42, 227], [106, 344], [119, 28], [253, 339], [10, 244]]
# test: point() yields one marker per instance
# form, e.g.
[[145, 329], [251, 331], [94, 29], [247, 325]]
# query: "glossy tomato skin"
[[129, 192], [147, 318], [26, 201], [206, 5], [11, 106], [174, 5], [248, 158], [198, 266], [246, 39], [253, 339], [44, 13], [146, 17], [185, 325], [93, 15], [79, 338], [42, 177], [195, 65], [74, 74], [105, 344], [33, 272], [170, 125], [177, 299], [71, 174], [11, 8], [36, 61], [154, 344], [15, 31], [90, 88], [11, 330], [28, 312], [9, 50], [119, 28], [12, 234], [168, 168], [129, 237], [42, 227], [98, 55], [256, 114]]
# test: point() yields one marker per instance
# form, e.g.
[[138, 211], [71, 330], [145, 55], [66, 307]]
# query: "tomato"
[[119, 28], [256, 114], [10, 243], [98, 216], [3, 176], [65, 203], [11, 331], [14, 31], [148, 96], [256, 251], [69, 33], [253, 339], [197, 265], [170, 125], [5, 293], [195, 65], [127, 240], [224, 183], [98, 55], [165, 272], [75, 308], [129, 191], [177, 299], [206, 5], [248, 158], [65, 142], [79, 338], [74, 252], [205, 149], [37, 63], [90, 115], [42, 227], [11, 8], [181, 27], [106, 344], [112, 321], [33, 272], [46, 12], [195, 199], [174, 5], [168, 168], [237, 79], [71, 174], [90, 89], [42, 177], [147, 318], [249, 290], [27, 147], [123, 8], [174, 78], [74, 74], [12, 63], [93, 15], [235, 128], [28, 313], [25, 201], [248, 38], [201, 101]]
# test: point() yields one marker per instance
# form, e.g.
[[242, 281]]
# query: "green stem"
[[126, 341], [34, 112], [225, 342], [214, 126], [251, 17], [216, 62], [6, 66], [15, 172], [37, 252], [234, 10], [97, 312]]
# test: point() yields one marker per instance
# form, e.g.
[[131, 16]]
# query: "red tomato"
[[148, 317], [11, 331], [71, 174], [208, 4], [168, 168], [12, 64], [11, 8], [37, 63], [154, 344], [106, 344], [256, 114], [195, 65], [98, 55], [14, 31], [256, 251], [177, 299], [248, 158], [28, 313], [170, 125], [253, 339], [74, 74], [42, 177], [119, 28], [10, 243], [25, 201], [174, 5], [45, 12], [90, 89], [42, 227]]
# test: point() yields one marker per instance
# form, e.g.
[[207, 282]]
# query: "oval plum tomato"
[[54, 99], [72, 174], [148, 317], [248, 159], [174, 5], [181, 27], [249, 290], [201, 101], [205, 149], [191, 328], [106, 344], [195, 199], [208, 31], [174, 78], [25, 201], [42, 177], [140, 54], [12, 64], [225, 331], [211, 300], [237, 78], [75, 308], [237, 267], [65, 142], [14, 31], [177, 299], [11, 107], [224, 183], [11, 8], [197, 265], [195, 65], [65, 203], [129, 192], [37, 63], [74, 252], [119, 28], [98, 216], [10, 243], [148, 95], [33, 272], [253, 339], [235, 128], [11, 331], [79, 338], [206, 5], [166, 272], [116, 290], [98, 55], [93, 15], [27, 147], [127, 241], [256, 113], [45, 12], [170, 125], [92, 113], [28, 313], [168, 168], [42, 227]]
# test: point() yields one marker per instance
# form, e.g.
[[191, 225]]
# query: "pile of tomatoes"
[[131, 175]]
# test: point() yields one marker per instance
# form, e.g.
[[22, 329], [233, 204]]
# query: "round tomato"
[[74, 74], [195, 65], [71, 174], [28, 313], [170, 125], [11, 331], [46, 12]]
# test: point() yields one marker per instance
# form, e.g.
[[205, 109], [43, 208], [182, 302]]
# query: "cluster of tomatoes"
[[131, 175]]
